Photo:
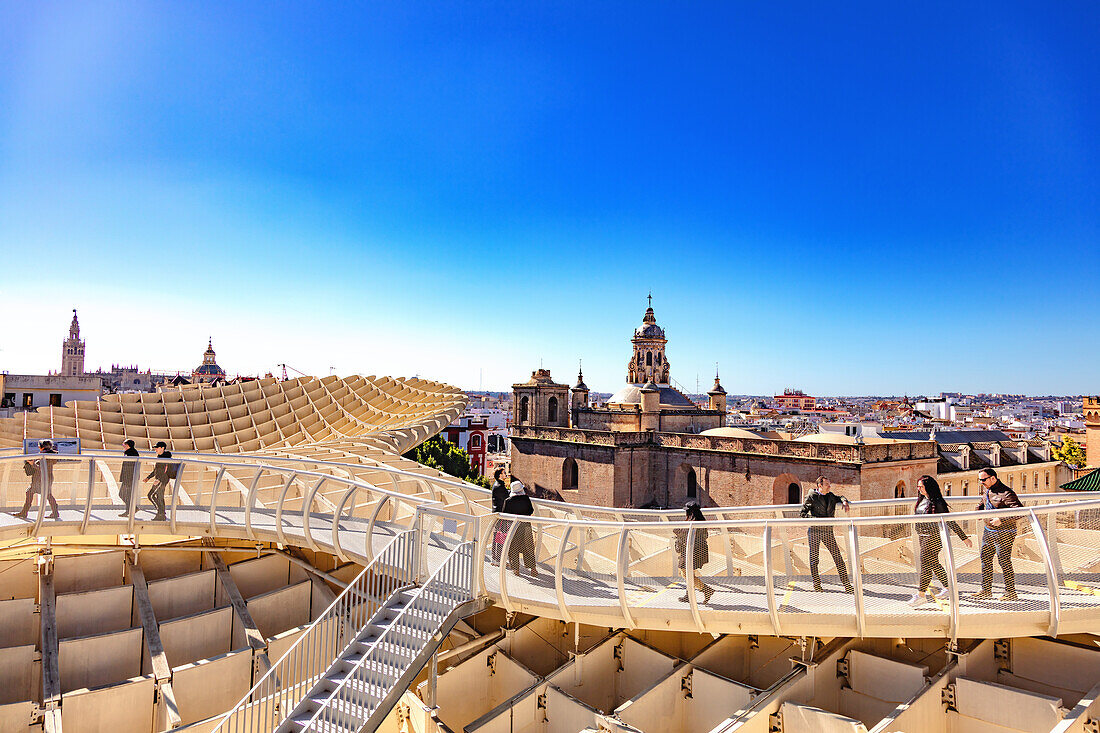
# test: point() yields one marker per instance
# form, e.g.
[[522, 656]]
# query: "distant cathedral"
[[72, 351], [209, 370], [647, 402]]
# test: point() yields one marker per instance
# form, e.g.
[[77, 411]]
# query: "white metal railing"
[[411, 631], [477, 500], [629, 573], [292, 676], [601, 567]]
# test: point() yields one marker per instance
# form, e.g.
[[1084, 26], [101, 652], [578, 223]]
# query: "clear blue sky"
[[854, 198]]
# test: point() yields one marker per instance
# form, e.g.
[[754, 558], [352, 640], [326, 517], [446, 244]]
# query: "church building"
[[650, 445]]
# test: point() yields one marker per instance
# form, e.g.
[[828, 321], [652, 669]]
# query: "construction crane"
[[284, 367]]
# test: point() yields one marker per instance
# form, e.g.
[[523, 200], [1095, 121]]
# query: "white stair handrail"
[[449, 584], [276, 693]]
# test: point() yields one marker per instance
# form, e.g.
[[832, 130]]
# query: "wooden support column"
[[166, 711], [48, 646], [261, 662]]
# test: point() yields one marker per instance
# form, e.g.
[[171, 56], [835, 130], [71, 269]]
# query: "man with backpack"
[[162, 473]]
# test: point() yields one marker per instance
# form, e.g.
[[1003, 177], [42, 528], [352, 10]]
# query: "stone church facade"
[[651, 445]]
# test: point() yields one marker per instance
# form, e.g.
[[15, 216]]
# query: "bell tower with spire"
[[579, 397], [717, 396], [72, 351], [648, 363]]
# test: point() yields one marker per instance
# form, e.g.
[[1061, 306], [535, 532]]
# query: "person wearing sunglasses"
[[998, 535]]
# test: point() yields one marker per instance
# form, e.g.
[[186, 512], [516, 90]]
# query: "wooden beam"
[[252, 633], [161, 669], [48, 646]]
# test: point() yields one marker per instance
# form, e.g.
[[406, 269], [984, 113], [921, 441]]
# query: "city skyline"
[[906, 204]]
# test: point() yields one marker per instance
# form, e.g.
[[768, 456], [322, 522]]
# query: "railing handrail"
[[185, 459], [483, 494], [1059, 499]]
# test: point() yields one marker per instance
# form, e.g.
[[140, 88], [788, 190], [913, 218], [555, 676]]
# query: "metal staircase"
[[364, 682], [347, 670]]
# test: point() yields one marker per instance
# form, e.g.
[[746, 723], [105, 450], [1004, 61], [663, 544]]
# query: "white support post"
[[1052, 576], [622, 562], [214, 500], [857, 576], [769, 579], [559, 583], [88, 500], [952, 580]]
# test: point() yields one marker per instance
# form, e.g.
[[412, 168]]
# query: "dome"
[[631, 394], [649, 328], [211, 369], [649, 331], [729, 432]]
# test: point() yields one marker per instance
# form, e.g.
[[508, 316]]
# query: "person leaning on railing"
[[128, 476], [41, 473], [700, 555], [523, 543], [500, 495], [930, 501], [822, 503], [998, 535]]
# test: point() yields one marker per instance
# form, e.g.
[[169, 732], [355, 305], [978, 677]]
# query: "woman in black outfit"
[[523, 543], [930, 501], [701, 555]]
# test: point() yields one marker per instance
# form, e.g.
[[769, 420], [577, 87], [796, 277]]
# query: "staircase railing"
[[290, 678], [371, 679]]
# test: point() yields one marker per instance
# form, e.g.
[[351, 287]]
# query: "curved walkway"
[[615, 573]]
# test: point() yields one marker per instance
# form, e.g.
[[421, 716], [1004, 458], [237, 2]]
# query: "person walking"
[[128, 476], [997, 536], [700, 553], [500, 495], [822, 503], [523, 543], [41, 472], [162, 473], [930, 501]]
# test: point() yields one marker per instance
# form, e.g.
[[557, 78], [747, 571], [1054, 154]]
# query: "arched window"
[[523, 405], [899, 490], [552, 410], [649, 358], [947, 489], [966, 488], [658, 358], [569, 474], [475, 440], [794, 494]]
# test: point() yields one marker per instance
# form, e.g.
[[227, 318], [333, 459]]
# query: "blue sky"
[[849, 199]]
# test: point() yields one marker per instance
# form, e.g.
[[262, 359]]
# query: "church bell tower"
[[72, 351], [648, 364]]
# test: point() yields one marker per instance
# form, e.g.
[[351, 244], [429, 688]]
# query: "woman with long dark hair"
[[930, 501], [700, 555]]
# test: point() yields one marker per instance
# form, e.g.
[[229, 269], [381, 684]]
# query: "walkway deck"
[[746, 603]]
